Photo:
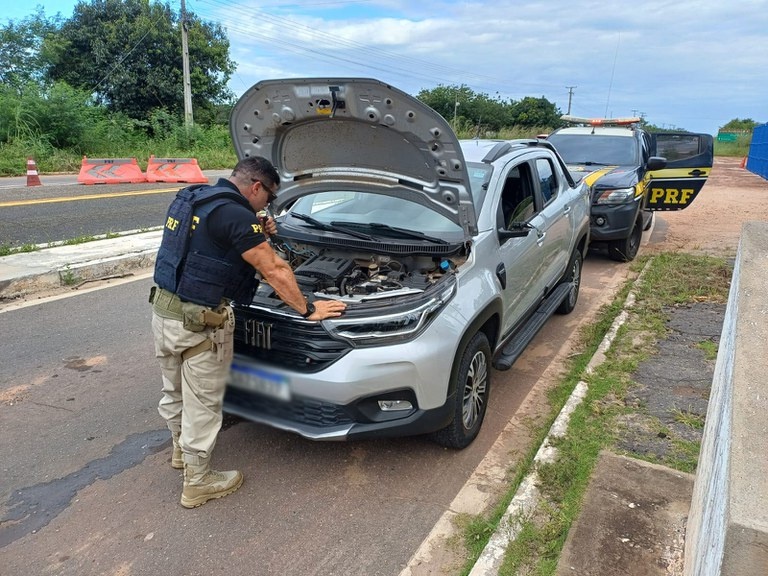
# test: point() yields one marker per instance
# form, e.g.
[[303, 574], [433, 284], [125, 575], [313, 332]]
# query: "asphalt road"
[[61, 209]]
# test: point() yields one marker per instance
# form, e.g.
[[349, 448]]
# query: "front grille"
[[279, 341], [310, 412]]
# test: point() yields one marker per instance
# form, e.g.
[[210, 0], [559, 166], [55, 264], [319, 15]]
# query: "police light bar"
[[600, 121]]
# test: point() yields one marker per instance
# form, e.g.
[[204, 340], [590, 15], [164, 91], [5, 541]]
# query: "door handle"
[[540, 236], [696, 172], [567, 209]]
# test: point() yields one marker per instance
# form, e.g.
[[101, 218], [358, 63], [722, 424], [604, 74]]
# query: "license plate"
[[260, 381]]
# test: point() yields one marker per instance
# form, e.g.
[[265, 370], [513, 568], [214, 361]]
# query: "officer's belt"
[[168, 305]]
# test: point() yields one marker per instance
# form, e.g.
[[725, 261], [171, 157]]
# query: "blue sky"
[[692, 64]]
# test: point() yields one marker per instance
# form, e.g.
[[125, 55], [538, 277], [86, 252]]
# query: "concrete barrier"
[[727, 532]]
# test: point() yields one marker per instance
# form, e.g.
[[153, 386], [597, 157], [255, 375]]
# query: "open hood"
[[356, 134]]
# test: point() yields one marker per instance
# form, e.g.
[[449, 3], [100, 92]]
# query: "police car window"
[[677, 147], [596, 148], [547, 179]]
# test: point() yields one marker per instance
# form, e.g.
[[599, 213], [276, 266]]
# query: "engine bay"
[[358, 275]]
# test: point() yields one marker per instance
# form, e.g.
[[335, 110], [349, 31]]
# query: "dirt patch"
[[672, 387]]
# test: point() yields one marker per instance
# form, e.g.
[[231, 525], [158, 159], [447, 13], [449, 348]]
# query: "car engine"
[[359, 275]]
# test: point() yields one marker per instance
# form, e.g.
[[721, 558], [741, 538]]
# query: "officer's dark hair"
[[257, 167]]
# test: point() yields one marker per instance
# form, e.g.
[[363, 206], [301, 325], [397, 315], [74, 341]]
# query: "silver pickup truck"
[[450, 256]]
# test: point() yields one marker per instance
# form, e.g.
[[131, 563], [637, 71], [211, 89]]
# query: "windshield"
[[596, 149], [361, 209]]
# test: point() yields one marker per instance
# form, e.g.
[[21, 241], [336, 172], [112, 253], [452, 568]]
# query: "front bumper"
[[318, 420], [612, 222], [341, 401]]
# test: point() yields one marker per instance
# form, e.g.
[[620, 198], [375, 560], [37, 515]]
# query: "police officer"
[[212, 241]]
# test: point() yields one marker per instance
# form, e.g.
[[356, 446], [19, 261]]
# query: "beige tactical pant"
[[193, 389]]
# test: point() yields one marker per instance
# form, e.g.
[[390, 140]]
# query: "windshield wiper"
[[332, 227], [406, 233], [590, 163]]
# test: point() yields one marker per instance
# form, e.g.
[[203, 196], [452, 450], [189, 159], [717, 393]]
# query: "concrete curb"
[[72, 265]]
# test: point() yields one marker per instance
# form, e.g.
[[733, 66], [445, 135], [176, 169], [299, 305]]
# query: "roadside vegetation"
[[600, 421]]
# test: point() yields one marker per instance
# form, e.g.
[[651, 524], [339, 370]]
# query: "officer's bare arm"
[[279, 275]]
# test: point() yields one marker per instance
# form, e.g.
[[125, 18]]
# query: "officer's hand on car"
[[326, 309]]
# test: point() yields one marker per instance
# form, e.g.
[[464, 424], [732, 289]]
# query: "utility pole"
[[188, 121], [455, 109], [570, 97]]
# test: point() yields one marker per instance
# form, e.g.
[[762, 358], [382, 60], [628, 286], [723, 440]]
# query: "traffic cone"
[[33, 179], [744, 162]]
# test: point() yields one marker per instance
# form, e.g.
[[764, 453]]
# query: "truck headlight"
[[616, 196], [400, 324]]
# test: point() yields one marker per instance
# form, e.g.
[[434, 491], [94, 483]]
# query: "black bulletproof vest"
[[189, 263]]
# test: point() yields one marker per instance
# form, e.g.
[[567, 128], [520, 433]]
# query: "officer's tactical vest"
[[189, 262]]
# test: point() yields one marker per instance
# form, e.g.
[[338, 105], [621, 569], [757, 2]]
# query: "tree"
[[532, 112], [483, 112], [738, 125], [22, 60], [128, 54], [449, 101]]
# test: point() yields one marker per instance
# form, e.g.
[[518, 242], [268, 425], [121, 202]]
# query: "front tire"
[[472, 385], [625, 250], [573, 277]]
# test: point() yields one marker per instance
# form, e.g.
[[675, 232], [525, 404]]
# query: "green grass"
[[740, 148], [669, 280], [709, 348], [79, 240], [688, 418], [7, 250], [211, 146]]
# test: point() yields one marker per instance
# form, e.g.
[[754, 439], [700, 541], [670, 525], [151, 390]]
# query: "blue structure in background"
[[757, 161]]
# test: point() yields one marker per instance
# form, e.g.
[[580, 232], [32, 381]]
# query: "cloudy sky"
[[691, 64]]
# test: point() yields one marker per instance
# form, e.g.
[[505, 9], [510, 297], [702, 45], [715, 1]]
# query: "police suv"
[[449, 255], [631, 173]]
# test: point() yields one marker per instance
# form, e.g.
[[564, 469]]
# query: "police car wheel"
[[625, 250]]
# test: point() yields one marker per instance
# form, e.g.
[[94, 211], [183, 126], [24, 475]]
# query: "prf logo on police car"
[[672, 195], [670, 198]]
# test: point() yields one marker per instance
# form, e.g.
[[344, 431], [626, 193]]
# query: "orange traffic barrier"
[[110, 171], [33, 178], [174, 170]]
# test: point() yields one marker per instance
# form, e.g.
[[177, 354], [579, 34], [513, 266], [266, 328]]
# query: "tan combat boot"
[[177, 458], [202, 484]]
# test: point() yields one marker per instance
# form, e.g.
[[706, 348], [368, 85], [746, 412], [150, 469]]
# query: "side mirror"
[[656, 163]]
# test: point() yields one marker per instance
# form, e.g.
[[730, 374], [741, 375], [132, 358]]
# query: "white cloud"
[[690, 63]]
